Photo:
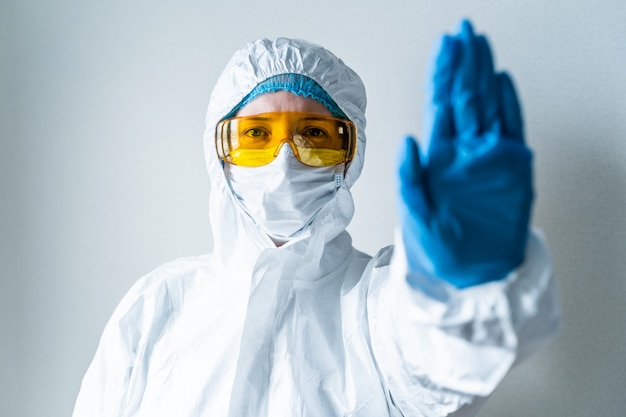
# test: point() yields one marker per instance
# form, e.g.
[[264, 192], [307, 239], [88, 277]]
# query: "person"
[[285, 317]]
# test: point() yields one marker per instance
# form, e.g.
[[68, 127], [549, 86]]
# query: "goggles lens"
[[317, 141]]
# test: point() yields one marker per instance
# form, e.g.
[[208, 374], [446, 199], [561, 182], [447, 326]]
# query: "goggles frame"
[[256, 140]]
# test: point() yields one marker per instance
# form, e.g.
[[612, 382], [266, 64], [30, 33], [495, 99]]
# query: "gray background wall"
[[102, 176]]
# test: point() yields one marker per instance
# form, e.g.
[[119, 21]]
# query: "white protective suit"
[[313, 328]]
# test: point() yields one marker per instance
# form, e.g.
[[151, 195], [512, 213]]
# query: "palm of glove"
[[465, 207]]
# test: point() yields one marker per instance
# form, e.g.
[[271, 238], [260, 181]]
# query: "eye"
[[314, 132], [256, 132]]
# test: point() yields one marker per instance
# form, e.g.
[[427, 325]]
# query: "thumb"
[[409, 164], [412, 185]]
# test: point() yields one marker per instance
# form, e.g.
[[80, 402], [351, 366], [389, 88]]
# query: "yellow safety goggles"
[[317, 141]]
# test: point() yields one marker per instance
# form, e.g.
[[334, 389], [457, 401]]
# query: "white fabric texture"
[[314, 327]]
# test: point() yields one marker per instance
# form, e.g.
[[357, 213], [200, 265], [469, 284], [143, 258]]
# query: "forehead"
[[283, 101]]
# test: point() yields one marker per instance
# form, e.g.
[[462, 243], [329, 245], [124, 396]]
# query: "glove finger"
[[464, 95], [442, 124], [486, 85], [510, 112], [413, 192], [437, 111], [441, 70], [465, 81]]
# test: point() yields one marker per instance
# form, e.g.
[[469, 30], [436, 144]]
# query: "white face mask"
[[284, 196]]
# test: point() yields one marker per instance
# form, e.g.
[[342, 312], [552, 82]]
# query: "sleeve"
[[441, 349], [117, 374]]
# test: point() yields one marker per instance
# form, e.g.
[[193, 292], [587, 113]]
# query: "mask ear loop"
[[340, 171]]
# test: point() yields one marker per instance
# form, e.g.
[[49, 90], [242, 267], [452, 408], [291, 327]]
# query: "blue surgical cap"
[[297, 84]]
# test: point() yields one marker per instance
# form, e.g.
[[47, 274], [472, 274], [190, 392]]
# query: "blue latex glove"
[[465, 204]]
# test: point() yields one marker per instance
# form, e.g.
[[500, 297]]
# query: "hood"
[[258, 61]]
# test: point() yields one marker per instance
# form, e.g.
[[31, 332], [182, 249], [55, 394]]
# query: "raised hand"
[[465, 202]]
